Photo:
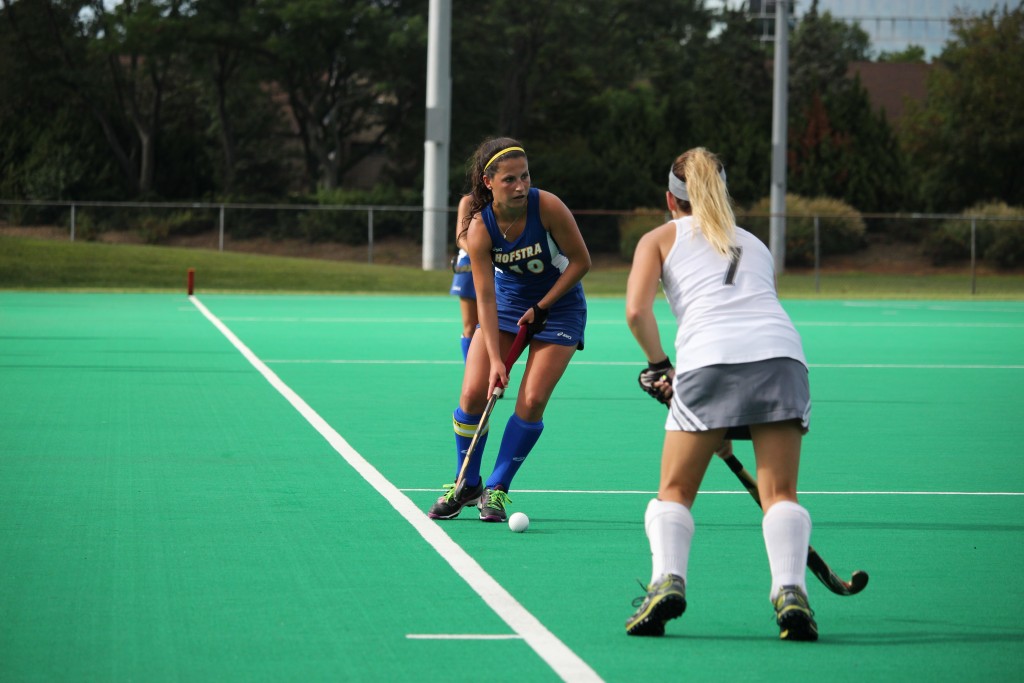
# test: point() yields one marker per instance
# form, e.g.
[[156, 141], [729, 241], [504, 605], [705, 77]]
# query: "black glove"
[[540, 321], [657, 372]]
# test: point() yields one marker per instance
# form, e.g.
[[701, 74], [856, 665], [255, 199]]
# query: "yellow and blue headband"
[[504, 151]]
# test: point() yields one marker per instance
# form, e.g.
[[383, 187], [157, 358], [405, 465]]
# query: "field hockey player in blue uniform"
[[462, 280], [528, 258]]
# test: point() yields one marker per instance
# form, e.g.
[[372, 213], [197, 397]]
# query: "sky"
[[895, 24]]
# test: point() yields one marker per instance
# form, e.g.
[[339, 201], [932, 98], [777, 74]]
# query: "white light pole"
[[438, 134], [780, 96]]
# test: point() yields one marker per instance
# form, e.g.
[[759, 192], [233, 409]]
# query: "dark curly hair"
[[480, 196]]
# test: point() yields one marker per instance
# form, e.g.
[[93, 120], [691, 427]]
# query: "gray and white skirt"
[[738, 395]]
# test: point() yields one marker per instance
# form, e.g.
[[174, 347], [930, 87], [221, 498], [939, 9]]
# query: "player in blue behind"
[[741, 373], [527, 257], [462, 280]]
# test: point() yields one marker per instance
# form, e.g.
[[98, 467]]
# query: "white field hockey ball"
[[518, 522]]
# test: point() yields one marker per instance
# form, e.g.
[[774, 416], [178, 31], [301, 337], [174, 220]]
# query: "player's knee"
[[473, 400], [770, 495], [530, 405]]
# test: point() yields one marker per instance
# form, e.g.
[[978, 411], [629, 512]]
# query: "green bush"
[[345, 226], [87, 227], [1000, 242], [155, 228], [192, 222], [841, 229], [35, 214], [1007, 249], [635, 225], [92, 221], [948, 245], [248, 223], [350, 226]]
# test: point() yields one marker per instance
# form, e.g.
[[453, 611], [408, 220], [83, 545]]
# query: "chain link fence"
[[993, 241]]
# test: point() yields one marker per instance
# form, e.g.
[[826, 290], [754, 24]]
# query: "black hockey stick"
[[817, 565], [514, 351]]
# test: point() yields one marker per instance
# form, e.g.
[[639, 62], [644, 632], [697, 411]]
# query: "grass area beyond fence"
[[47, 264]]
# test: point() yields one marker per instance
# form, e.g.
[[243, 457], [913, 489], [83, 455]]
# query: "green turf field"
[[232, 487]]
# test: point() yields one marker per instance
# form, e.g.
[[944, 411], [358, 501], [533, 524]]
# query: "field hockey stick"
[[817, 565], [514, 351]]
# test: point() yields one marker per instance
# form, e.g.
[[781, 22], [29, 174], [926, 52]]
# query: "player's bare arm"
[[641, 290], [558, 221], [479, 249]]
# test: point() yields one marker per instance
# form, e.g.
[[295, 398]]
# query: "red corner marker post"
[[191, 280]]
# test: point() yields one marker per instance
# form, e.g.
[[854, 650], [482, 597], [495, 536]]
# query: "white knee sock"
[[670, 531], [787, 533]]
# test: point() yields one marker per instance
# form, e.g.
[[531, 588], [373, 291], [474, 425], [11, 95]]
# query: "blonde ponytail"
[[702, 173]]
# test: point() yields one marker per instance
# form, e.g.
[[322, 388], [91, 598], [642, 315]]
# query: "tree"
[[338, 65], [966, 141], [222, 46], [575, 83], [838, 146], [47, 100], [116, 64], [732, 116], [910, 54]]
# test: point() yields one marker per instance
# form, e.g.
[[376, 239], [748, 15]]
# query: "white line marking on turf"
[[969, 306], [661, 323], [911, 493], [879, 324], [744, 493], [566, 663], [834, 366], [345, 321], [914, 366], [342, 361], [459, 636]]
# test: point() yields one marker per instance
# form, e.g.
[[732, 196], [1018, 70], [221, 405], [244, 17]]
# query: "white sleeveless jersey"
[[727, 309]]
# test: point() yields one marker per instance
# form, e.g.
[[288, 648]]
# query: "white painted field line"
[[909, 324], [632, 363], [344, 321], [459, 636], [342, 361], [566, 663], [745, 493], [913, 366]]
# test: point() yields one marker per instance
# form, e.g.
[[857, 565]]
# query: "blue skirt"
[[462, 283], [565, 325]]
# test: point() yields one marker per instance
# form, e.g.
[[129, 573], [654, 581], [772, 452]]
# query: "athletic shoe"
[[451, 503], [794, 615], [665, 600], [492, 505]]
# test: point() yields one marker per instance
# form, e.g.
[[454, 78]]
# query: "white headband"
[[678, 188]]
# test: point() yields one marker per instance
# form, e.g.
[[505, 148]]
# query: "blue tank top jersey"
[[525, 270]]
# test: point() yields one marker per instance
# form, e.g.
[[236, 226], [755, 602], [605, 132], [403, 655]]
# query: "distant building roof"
[[891, 85]]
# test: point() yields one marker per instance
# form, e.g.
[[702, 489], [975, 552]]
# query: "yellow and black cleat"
[[794, 616]]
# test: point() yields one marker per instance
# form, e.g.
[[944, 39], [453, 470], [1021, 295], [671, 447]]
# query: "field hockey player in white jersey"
[[740, 373], [528, 258]]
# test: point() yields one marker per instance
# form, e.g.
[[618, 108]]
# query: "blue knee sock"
[[465, 428], [516, 443], [465, 347]]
